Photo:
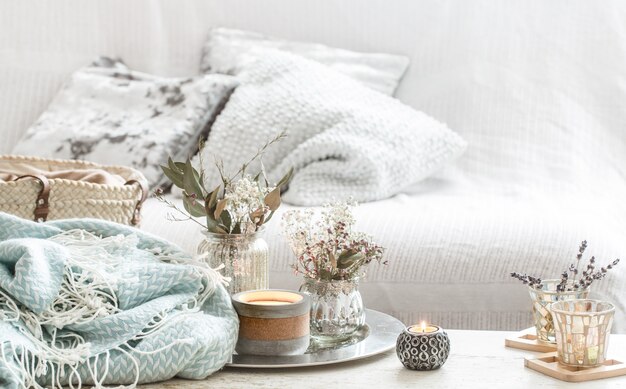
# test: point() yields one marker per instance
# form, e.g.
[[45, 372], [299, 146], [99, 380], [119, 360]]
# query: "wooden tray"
[[527, 340], [549, 365]]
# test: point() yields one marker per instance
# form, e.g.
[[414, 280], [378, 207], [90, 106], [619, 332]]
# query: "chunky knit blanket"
[[344, 140], [89, 302]]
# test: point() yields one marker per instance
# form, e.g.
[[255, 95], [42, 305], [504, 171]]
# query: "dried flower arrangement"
[[241, 204], [569, 278], [326, 246]]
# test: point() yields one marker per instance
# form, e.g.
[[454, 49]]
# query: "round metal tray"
[[377, 336]]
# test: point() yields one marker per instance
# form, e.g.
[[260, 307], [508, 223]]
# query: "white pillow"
[[111, 115], [228, 51], [344, 140]]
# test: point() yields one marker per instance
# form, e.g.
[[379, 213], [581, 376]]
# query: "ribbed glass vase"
[[245, 259], [542, 299], [337, 310]]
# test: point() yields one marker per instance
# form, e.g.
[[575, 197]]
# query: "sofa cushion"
[[229, 51], [112, 115], [343, 139]]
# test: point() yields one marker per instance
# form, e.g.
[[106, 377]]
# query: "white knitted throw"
[[344, 140]]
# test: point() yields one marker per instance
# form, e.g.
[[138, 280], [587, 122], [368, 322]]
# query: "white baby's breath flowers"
[[244, 197]]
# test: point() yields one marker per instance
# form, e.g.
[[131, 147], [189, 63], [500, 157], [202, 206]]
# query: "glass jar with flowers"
[[573, 285], [332, 258], [235, 212]]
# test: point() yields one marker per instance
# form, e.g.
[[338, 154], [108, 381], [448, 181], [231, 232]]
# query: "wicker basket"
[[39, 198]]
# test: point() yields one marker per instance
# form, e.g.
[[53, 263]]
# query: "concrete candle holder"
[[272, 322]]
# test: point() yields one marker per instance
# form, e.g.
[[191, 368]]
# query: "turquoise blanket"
[[90, 302]]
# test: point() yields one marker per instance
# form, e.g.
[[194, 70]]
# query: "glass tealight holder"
[[542, 298], [582, 329]]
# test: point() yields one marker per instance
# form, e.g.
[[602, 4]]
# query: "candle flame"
[[423, 326]]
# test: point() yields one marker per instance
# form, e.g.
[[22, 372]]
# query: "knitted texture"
[[91, 302], [343, 139]]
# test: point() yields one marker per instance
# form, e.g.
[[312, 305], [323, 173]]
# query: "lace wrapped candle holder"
[[582, 329], [541, 299]]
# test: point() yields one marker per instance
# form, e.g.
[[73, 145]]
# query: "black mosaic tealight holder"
[[424, 347]]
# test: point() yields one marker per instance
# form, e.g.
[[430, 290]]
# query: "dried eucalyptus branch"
[[158, 193], [239, 205]]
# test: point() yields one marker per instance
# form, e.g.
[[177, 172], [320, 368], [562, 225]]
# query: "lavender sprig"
[[563, 284], [574, 269], [531, 281], [572, 283]]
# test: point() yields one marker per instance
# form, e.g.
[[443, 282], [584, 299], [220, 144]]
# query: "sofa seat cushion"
[[451, 249]]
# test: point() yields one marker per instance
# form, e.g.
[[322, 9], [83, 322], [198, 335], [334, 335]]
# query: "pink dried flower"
[[325, 240]]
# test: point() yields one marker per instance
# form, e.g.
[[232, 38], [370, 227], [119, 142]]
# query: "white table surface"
[[478, 359]]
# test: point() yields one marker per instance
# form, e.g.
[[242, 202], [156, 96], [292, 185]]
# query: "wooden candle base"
[[549, 365], [527, 340]]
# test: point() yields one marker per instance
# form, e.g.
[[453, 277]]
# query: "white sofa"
[[536, 88]]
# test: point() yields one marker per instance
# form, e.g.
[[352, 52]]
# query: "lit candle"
[[269, 302], [270, 297], [423, 347], [423, 328]]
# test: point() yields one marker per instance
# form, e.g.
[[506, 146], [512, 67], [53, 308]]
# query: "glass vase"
[[337, 310], [541, 300], [245, 259], [582, 331]]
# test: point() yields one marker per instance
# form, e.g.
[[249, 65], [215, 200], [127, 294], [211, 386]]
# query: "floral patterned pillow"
[[109, 114]]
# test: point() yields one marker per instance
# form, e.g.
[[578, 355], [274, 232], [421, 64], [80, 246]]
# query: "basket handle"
[[144, 195], [42, 207]]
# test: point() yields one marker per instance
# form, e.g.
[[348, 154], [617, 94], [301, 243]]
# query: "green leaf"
[[191, 180], [175, 177], [214, 226], [347, 253], [175, 166], [286, 178], [333, 260], [272, 200], [226, 220], [213, 198], [219, 208], [349, 258], [258, 217], [194, 207], [325, 275]]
